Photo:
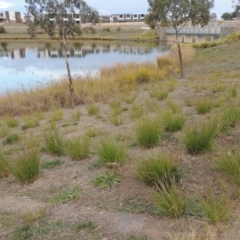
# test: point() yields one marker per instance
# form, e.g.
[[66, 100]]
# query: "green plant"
[[137, 111], [68, 195], [93, 110], [96, 165], [29, 123], [112, 151], [54, 143], [11, 139], [170, 202], [133, 237], [107, 179], [175, 107], [230, 165], [2, 29], [116, 117], [159, 169], [173, 122], [148, 131], [78, 149], [199, 140], [4, 131], [11, 122], [4, 166], [52, 164], [215, 209], [76, 116], [26, 166], [57, 115], [159, 94], [89, 225], [203, 106]]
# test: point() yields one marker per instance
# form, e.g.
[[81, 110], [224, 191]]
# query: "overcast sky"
[[115, 6]]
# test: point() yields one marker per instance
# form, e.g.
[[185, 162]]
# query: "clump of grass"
[[164, 61], [200, 140], [4, 131], [229, 117], [57, 115], [152, 105], [112, 151], [137, 111], [107, 179], [89, 225], [230, 165], [130, 99], [173, 122], [93, 110], [76, 115], [175, 107], [52, 164], [78, 149], [218, 88], [11, 139], [170, 202], [11, 122], [4, 166], [68, 195], [203, 106], [148, 131], [215, 209], [29, 123], [143, 75], [93, 132], [26, 167], [159, 169], [159, 94], [54, 143]]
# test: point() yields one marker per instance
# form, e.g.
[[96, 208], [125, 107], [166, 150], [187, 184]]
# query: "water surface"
[[24, 65]]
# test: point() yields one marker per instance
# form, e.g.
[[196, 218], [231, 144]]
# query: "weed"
[[67, 195], [148, 131], [159, 168], [52, 164], [89, 225], [230, 165], [53, 143], [4, 166], [203, 106], [173, 122], [26, 167], [107, 179], [143, 75], [11, 122], [11, 139], [111, 151], [93, 110], [76, 115], [215, 209], [96, 165], [78, 149], [199, 140], [170, 202]]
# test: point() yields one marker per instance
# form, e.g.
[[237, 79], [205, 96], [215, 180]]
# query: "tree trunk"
[[180, 56], [70, 85]]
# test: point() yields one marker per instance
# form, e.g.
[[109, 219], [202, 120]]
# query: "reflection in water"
[[24, 65]]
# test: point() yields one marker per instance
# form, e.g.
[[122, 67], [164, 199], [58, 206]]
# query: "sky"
[[116, 6]]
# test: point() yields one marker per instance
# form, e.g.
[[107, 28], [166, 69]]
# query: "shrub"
[[230, 165], [111, 151], [173, 122], [107, 179], [199, 140], [148, 131], [2, 29], [4, 168], [170, 202], [159, 169], [78, 149], [26, 167], [53, 143], [215, 209], [11, 139], [203, 106]]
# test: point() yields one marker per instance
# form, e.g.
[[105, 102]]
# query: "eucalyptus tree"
[[61, 18], [177, 14]]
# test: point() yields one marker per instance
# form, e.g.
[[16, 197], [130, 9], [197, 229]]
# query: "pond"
[[30, 64]]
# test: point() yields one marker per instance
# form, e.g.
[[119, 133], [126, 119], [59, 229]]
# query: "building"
[[123, 17], [10, 17]]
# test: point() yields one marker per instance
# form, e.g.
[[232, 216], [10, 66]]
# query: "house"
[[10, 17]]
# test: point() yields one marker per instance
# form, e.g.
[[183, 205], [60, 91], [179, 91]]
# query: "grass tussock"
[[159, 169], [203, 106], [26, 167], [78, 149], [173, 122], [229, 164], [111, 151], [148, 131], [200, 139], [4, 166]]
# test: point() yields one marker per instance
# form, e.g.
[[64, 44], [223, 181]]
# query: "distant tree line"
[[233, 15]]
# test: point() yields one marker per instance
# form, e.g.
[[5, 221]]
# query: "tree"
[[61, 18], [213, 16], [227, 16], [176, 14]]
